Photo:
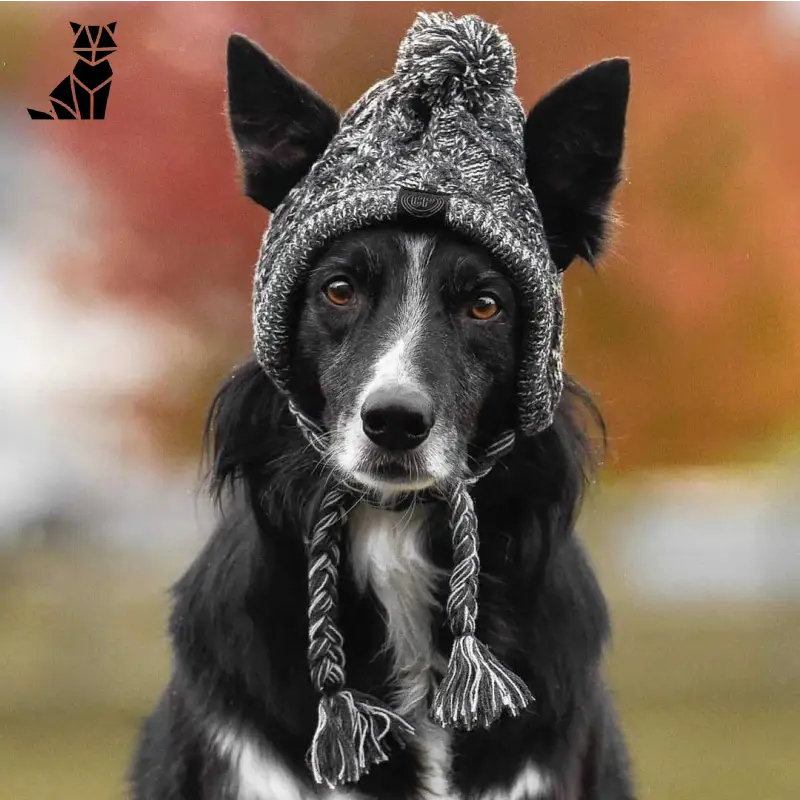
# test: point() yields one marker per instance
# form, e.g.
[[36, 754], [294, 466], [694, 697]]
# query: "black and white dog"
[[406, 344]]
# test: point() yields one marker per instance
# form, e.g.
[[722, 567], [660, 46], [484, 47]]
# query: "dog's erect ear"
[[573, 140], [280, 126], [76, 26]]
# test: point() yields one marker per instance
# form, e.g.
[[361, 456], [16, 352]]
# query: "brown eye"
[[484, 307], [339, 292]]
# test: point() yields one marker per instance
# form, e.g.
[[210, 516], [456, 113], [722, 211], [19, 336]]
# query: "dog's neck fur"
[[389, 557]]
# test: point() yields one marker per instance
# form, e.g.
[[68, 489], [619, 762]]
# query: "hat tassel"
[[476, 688]]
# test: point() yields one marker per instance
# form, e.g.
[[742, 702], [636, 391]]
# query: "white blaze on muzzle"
[[394, 369]]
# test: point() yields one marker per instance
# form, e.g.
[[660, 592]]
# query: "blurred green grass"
[[709, 697]]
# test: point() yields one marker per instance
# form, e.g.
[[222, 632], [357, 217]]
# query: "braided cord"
[[353, 730], [325, 643], [462, 603], [314, 433], [501, 446], [477, 688]]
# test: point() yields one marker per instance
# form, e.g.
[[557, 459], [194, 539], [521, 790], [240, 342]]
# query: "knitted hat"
[[441, 139]]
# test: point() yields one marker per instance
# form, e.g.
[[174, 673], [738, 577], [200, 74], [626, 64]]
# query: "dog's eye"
[[339, 292], [484, 307]]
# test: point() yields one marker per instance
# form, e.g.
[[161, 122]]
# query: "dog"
[[407, 342], [83, 94]]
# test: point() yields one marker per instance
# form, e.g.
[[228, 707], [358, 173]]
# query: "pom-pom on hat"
[[458, 59]]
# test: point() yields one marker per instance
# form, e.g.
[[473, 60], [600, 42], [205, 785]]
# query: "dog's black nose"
[[397, 418]]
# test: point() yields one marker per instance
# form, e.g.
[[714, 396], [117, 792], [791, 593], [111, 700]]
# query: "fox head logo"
[[94, 43]]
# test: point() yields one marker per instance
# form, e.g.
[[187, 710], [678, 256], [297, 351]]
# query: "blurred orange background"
[[692, 318], [126, 256]]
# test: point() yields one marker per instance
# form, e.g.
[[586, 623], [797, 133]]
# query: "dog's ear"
[[574, 138], [280, 126]]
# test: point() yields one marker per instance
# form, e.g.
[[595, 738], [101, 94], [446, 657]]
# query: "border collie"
[[407, 338]]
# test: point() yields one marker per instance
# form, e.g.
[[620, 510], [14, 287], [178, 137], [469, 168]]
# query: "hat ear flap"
[[280, 125], [574, 138]]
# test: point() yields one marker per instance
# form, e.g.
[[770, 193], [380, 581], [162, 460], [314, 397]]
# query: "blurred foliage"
[[689, 337]]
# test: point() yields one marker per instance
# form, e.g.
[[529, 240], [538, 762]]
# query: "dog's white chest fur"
[[388, 555], [387, 550], [257, 773]]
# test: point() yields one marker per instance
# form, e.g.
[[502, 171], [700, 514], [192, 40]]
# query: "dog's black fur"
[[239, 623]]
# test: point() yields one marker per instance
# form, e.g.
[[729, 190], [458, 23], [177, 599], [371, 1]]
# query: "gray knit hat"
[[440, 139]]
